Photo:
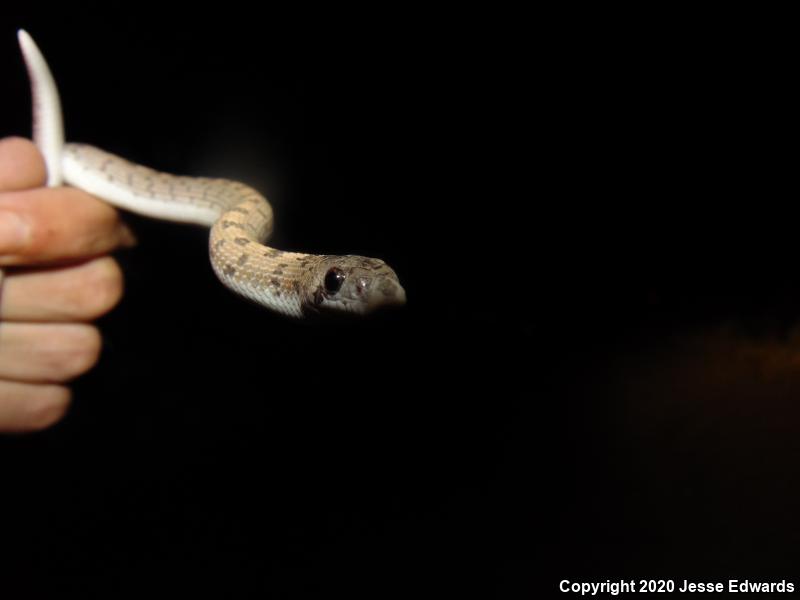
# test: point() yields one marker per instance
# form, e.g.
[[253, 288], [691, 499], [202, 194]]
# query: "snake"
[[240, 219]]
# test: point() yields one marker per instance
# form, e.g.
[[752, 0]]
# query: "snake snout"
[[387, 292]]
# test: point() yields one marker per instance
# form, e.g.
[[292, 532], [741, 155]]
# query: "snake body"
[[240, 219]]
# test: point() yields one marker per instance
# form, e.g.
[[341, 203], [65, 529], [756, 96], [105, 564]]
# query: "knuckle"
[[97, 290], [48, 406], [75, 351]]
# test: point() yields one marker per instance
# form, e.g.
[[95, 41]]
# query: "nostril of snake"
[[361, 287]]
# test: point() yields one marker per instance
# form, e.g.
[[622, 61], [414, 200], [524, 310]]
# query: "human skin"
[[59, 277]]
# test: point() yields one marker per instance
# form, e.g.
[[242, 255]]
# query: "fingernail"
[[14, 232]]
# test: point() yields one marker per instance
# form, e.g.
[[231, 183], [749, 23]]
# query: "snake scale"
[[241, 220]]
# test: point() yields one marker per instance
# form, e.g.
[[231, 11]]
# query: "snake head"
[[354, 284]]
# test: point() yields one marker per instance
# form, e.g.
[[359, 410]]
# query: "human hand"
[[54, 245]]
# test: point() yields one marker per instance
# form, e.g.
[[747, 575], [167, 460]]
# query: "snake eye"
[[334, 279]]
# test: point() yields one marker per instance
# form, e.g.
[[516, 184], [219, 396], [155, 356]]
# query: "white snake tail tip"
[[48, 129]]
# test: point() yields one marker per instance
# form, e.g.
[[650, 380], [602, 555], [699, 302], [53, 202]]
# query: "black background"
[[596, 375]]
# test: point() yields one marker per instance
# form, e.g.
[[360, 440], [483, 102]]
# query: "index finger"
[[57, 224]]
